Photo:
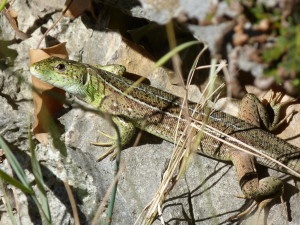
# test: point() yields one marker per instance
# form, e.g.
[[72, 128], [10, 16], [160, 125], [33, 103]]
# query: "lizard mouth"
[[34, 71]]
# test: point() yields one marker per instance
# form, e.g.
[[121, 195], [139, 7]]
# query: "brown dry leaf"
[[11, 16], [45, 106], [77, 7], [13, 13]]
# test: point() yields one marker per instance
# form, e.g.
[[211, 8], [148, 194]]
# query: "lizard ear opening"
[[85, 79]]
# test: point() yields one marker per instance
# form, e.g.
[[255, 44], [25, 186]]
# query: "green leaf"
[[7, 203], [14, 182], [15, 165], [37, 172], [171, 53]]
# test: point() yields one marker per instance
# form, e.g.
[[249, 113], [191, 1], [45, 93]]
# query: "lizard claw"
[[260, 206], [241, 196], [108, 152], [274, 100], [112, 145], [243, 213]]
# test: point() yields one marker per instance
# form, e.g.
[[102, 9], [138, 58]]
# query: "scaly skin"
[[158, 113]]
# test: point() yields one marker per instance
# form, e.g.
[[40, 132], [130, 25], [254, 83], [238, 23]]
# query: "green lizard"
[[158, 113]]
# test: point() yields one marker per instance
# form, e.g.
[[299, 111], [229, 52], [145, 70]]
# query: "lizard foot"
[[262, 191], [126, 131], [104, 143], [260, 206], [111, 150], [112, 145], [243, 213]]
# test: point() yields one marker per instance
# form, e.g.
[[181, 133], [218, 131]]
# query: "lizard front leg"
[[126, 129], [253, 111], [113, 68]]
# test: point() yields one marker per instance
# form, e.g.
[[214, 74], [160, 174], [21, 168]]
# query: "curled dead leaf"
[[45, 105], [12, 16], [77, 7]]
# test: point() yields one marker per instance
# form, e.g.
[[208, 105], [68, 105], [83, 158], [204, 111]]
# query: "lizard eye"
[[60, 67]]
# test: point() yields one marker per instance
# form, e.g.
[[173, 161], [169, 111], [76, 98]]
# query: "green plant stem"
[[3, 3], [116, 170]]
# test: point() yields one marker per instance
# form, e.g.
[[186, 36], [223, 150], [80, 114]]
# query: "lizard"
[[158, 112]]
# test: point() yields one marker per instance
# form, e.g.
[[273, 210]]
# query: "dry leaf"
[[45, 106], [11, 16], [77, 7]]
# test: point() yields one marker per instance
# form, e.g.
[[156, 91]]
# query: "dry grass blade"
[[175, 167], [54, 24], [164, 59], [211, 131], [104, 201], [73, 203]]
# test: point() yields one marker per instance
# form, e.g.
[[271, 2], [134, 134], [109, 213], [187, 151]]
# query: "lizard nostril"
[[36, 67]]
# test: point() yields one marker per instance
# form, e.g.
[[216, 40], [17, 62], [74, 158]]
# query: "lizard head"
[[68, 75]]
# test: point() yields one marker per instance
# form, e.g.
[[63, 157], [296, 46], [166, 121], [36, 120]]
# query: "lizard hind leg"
[[262, 191]]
